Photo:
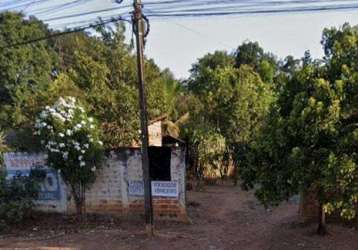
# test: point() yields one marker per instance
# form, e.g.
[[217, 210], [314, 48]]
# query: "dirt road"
[[223, 217]]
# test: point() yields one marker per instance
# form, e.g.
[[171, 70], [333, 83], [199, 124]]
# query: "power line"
[[79, 29], [203, 8], [83, 14]]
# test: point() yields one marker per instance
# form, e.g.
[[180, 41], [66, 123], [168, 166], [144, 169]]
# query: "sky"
[[176, 43]]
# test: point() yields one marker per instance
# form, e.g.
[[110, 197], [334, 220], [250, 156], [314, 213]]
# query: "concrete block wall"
[[164, 207], [110, 193], [106, 194]]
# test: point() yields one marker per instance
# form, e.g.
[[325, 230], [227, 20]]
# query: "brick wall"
[[110, 194]]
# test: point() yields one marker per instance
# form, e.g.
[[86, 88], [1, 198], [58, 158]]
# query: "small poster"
[[159, 188]]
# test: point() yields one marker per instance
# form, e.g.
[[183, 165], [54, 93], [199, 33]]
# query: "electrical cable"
[[54, 35]]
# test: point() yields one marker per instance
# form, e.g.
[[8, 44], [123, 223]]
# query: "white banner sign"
[[159, 188], [24, 161]]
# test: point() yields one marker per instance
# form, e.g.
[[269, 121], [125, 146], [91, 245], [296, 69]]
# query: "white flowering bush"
[[72, 141]]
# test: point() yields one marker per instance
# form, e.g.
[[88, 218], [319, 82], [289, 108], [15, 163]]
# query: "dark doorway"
[[159, 163]]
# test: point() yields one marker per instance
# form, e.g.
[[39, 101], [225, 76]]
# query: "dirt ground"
[[223, 217]]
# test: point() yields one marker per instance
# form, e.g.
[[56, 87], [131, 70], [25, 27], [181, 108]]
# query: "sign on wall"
[[22, 163], [159, 188]]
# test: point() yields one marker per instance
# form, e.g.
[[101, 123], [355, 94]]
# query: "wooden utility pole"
[[138, 27]]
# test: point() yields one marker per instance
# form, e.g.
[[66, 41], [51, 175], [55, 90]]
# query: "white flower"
[[42, 142], [58, 116], [62, 145], [43, 114], [43, 124], [91, 126], [100, 143], [86, 145], [54, 150], [90, 119], [68, 132], [61, 135], [78, 126], [80, 158], [93, 169], [83, 122], [47, 107], [65, 155], [83, 151], [91, 139], [82, 164], [49, 127]]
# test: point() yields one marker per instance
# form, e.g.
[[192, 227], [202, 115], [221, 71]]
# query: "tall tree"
[[23, 69], [309, 141], [252, 54]]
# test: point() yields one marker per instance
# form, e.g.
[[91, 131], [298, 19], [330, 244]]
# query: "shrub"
[[16, 197], [71, 140]]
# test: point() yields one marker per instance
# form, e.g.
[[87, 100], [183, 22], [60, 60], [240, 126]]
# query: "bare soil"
[[223, 217]]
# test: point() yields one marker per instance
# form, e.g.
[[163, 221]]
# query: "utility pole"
[[138, 27]]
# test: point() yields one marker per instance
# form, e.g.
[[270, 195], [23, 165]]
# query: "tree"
[[71, 140], [203, 68], [252, 54], [249, 53], [96, 67], [230, 104], [24, 70], [309, 140]]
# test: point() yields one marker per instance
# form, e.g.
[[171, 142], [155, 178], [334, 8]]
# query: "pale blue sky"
[[176, 43]]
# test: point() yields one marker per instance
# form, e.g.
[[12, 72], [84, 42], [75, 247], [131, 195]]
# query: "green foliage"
[[16, 198], [251, 54], [24, 70], [227, 102], [211, 153], [309, 140], [97, 68]]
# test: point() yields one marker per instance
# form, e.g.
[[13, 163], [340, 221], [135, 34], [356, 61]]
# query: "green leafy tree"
[[252, 54], [309, 140], [249, 53], [96, 67], [24, 70], [232, 103]]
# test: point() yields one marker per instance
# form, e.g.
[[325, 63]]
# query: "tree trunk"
[[235, 176], [322, 229], [78, 196]]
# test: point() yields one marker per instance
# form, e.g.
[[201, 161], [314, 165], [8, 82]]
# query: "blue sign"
[[49, 187], [22, 163]]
